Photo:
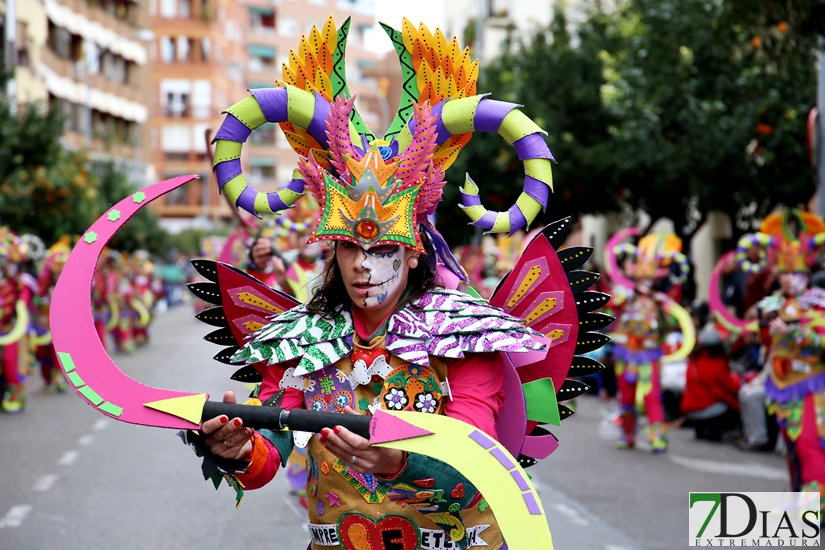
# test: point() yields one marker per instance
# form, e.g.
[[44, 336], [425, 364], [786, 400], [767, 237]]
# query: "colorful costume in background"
[[499, 366], [16, 293], [56, 256], [641, 327], [795, 385]]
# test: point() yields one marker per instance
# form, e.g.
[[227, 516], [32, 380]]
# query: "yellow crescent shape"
[[688, 331], [21, 326], [487, 465], [114, 314], [145, 316], [44, 340]]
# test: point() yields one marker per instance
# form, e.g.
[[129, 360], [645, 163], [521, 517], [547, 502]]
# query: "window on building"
[[176, 138], [261, 58], [167, 49], [178, 197], [262, 20], [184, 49], [206, 49], [168, 9], [185, 8], [201, 99], [262, 171], [318, 2], [287, 25], [264, 135]]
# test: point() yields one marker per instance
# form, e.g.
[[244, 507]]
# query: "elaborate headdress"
[[9, 246], [57, 255], [651, 258], [372, 190], [787, 240]]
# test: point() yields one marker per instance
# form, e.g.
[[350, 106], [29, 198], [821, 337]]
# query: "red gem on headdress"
[[367, 230]]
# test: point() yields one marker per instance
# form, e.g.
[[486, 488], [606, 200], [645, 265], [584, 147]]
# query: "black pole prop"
[[276, 418]]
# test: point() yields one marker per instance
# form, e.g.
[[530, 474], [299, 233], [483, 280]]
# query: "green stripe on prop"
[[529, 207], [226, 150], [541, 169], [66, 361], [458, 115], [112, 409], [234, 187], [75, 379], [262, 204], [300, 106], [404, 139], [248, 111], [517, 125], [502, 223], [540, 397], [90, 394]]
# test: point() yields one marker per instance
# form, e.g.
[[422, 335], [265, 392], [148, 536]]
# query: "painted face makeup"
[[373, 277]]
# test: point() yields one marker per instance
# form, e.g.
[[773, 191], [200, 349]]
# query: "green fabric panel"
[[75, 379], [282, 441], [66, 361], [112, 409], [541, 169], [91, 395], [226, 150], [234, 187], [517, 125], [540, 396], [248, 111], [404, 139], [300, 106], [459, 114], [262, 204]]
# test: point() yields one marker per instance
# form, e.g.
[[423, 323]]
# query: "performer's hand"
[[778, 326], [261, 254], [368, 460], [228, 438]]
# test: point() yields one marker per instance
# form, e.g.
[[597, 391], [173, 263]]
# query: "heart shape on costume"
[[360, 532], [396, 263], [369, 357]]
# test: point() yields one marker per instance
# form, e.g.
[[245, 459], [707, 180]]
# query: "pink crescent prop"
[[89, 369], [728, 320], [612, 270]]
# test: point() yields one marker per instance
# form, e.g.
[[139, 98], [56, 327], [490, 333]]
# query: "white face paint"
[[374, 278]]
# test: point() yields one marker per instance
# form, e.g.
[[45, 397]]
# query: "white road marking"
[[85, 440], [574, 516], [45, 482], [730, 468], [15, 516], [100, 424], [68, 458], [613, 547]]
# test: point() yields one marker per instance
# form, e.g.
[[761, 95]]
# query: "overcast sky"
[[431, 12]]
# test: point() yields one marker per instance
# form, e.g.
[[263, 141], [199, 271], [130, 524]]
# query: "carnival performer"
[[643, 320], [16, 292], [794, 315], [384, 330], [56, 256]]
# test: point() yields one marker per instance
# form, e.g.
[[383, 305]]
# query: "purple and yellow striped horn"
[[747, 242], [288, 104], [479, 114]]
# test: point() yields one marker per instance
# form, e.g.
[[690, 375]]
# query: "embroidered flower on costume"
[[414, 370], [396, 399], [341, 375], [426, 403], [342, 399]]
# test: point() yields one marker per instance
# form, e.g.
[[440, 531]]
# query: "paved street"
[[73, 479]]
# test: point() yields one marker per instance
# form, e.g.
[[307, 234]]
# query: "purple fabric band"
[[441, 132], [621, 353], [470, 200], [232, 129], [227, 170], [247, 199], [273, 102], [318, 125], [490, 113], [503, 458], [532, 147], [814, 384], [517, 219], [532, 503], [518, 476], [296, 185], [537, 189], [482, 439], [275, 202], [487, 221]]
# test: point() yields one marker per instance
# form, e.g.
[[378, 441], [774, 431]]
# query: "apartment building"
[[207, 54], [86, 57]]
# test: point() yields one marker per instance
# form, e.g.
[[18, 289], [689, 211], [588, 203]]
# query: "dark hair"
[[331, 296]]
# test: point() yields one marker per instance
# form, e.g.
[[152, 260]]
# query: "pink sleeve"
[[477, 386]]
